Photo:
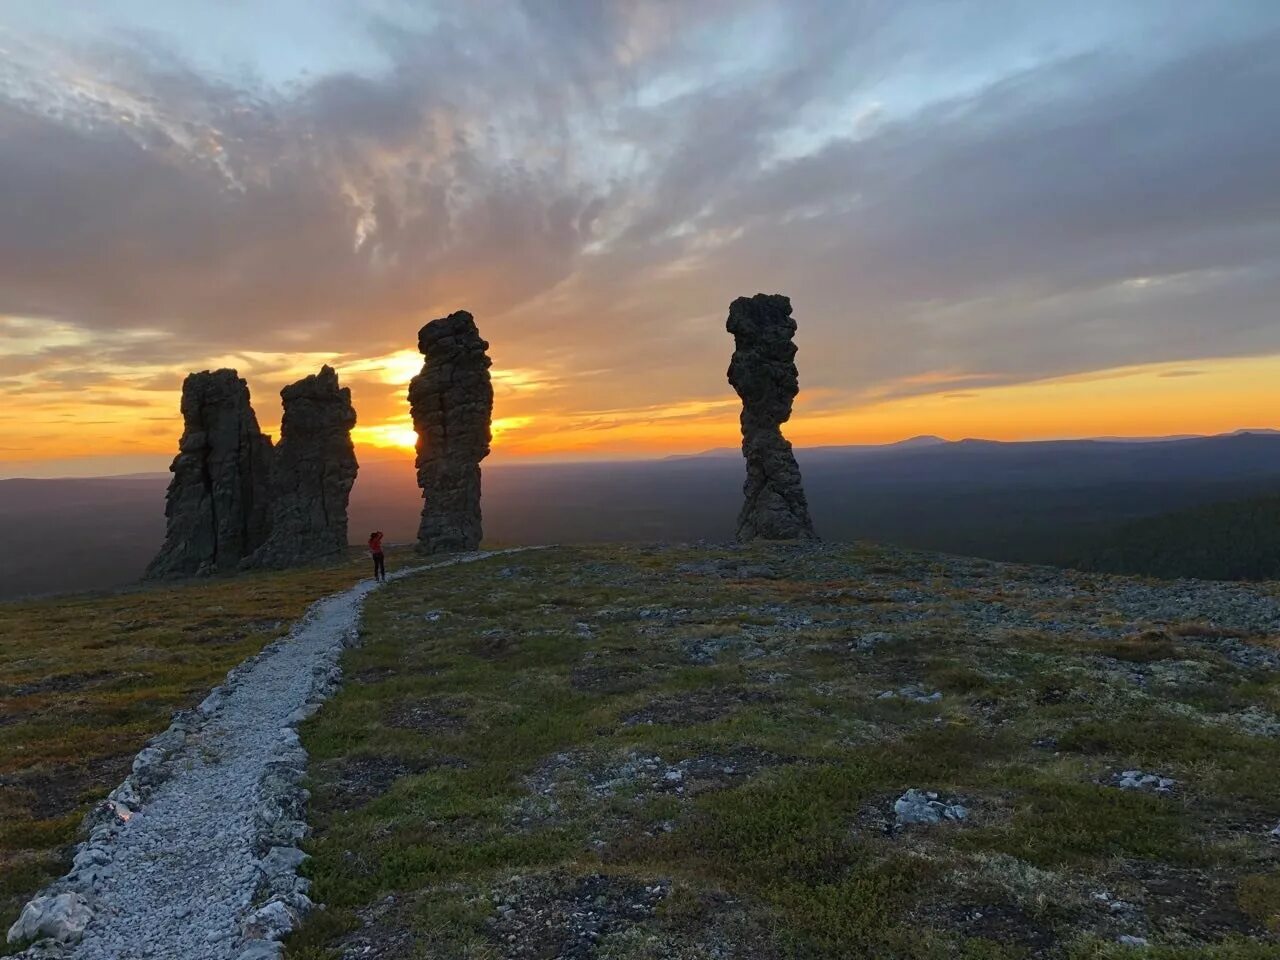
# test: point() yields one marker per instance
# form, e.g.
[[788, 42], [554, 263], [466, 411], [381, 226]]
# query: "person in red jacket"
[[379, 561]]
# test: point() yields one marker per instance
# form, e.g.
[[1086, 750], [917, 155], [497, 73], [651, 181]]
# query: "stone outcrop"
[[216, 509], [452, 404], [312, 471], [62, 917], [764, 374]]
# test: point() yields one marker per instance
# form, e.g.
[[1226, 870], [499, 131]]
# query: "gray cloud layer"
[[596, 180]]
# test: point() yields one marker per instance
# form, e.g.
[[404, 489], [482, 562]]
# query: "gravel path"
[[204, 832]]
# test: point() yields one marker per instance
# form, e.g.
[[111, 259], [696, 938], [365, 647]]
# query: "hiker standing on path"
[[379, 561]]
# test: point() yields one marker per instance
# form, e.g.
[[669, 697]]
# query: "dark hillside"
[[1239, 540], [1047, 502]]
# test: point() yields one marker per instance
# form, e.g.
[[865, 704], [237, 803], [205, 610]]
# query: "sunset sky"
[[994, 218]]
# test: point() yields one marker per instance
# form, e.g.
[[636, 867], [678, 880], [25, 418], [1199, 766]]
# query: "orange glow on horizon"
[[1203, 397]]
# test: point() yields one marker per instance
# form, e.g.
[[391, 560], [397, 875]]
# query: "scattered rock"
[[452, 405], [560, 781], [869, 641], [911, 692], [710, 649], [361, 779], [569, 917], [432, 715], [696, 707], [279, 872], [729, 570], [276, 918], [917, 806], [763, 372], [1138, 780]]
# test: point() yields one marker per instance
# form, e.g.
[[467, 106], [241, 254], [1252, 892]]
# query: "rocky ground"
[[798, 751]]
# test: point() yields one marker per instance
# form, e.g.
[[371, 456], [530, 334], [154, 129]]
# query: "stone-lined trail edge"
[[195, 855]]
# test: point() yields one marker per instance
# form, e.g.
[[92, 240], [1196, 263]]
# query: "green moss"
[[1055, 823], [1259, 897]]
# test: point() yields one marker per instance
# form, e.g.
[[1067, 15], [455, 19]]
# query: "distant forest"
[[1222, 541]]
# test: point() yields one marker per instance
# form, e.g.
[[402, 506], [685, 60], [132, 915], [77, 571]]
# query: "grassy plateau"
[[629, 752]]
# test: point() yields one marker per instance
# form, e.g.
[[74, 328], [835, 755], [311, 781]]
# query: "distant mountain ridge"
[[929, 440]]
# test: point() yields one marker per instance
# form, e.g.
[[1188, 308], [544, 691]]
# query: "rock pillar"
[[216, 509], [764, 374], [452, 405], [312, 473]]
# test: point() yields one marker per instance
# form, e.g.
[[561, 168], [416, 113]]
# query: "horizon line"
[[390, 454]]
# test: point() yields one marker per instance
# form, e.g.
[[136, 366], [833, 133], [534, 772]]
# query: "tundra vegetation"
[[628, 752]]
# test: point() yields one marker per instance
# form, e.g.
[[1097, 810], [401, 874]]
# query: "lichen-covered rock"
[[764, 374], [217, 505], [452, 404], [918, 806], [312, 472], [1147, 782]]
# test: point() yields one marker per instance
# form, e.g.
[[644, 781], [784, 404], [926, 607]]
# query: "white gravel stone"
[[172, 868]]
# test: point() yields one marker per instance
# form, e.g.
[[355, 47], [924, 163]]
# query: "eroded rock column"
[[452, 405], [216, 509], [312, 473], [764, 374]]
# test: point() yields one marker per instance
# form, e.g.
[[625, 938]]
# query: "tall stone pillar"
[[764, 374], [312, 473], [217, 506], [452, 405]]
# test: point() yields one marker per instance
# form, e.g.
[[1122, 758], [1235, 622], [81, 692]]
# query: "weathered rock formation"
[[452, 403], [217, 505], [312, 472], [764, 374]]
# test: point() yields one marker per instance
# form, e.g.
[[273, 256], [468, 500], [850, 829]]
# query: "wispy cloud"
[[954, 200]]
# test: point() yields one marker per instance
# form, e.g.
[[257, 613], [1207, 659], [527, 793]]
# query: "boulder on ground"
[[62, 917]]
